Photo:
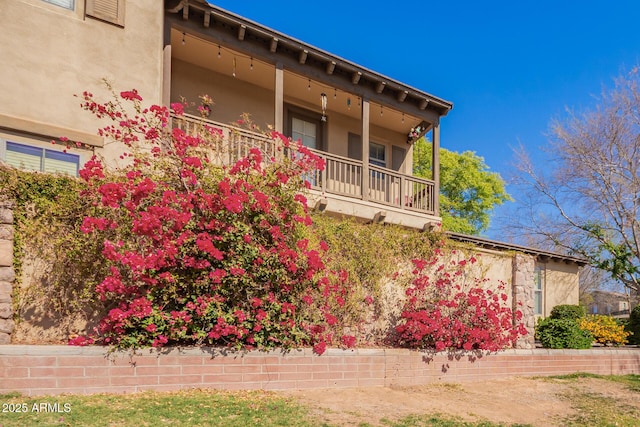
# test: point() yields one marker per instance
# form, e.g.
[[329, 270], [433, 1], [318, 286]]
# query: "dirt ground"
[[538, 402]]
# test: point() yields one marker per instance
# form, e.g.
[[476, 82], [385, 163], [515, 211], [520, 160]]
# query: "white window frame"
[[538, 290], [378, 161], [66, 4], [34, 143]]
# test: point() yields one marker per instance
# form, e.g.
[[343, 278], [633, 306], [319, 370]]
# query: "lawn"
[[260, 408]]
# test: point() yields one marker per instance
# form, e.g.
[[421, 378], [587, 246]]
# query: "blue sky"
[[509, 67]]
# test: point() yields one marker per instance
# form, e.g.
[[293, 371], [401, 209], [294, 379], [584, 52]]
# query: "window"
[[305, 125], [106, 10], [305, 131], [537, 290], [40, 159], [377, 154], [67, 4]]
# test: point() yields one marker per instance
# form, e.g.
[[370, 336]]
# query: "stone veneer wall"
[[7, 274], [523, 296]]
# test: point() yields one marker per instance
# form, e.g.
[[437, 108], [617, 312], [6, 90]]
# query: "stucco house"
[[361, 122]]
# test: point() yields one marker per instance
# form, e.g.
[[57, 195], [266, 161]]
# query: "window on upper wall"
[[35, 158], [106, 10], [67, 4], [307, 132], [377, 154], [537, 290]]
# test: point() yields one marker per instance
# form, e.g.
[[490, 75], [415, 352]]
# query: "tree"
[[585, 200], [468, 190]]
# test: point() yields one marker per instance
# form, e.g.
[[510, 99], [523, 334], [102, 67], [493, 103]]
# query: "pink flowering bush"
[[203, 254], [446, 312]]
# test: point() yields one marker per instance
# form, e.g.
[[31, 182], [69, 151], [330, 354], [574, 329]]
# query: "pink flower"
[[320, 348], [81, 341], [349, 341], [131, 95]]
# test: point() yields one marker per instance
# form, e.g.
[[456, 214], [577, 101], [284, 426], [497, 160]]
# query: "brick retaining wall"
[[39, 370]]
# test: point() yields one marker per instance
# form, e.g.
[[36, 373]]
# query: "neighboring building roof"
[[280, 44], [538, 253]]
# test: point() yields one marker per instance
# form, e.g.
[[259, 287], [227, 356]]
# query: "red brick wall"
[[38, 370]]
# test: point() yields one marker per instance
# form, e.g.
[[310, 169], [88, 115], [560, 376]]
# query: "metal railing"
[[341, 176]]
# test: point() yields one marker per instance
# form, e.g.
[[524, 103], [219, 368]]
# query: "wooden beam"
[[402, 95], [379, 217], [424, 103], [303, 56], [356, 77], [321, 204], [242, 30], [207, 19], [274, 45], [185, 12], [380, 87], [330, 67]]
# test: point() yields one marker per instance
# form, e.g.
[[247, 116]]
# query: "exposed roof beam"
[[380, 87], [356, 77], [424, 103], [274, 45], [303, 56], [185, 12], [402, 95], [330, 67], [207, 19], [242, 29]]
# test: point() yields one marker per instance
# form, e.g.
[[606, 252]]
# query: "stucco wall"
[[560, 284], [232, 97], [50, 53]]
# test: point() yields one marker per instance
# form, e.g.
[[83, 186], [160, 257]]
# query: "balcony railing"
[[341, 175]]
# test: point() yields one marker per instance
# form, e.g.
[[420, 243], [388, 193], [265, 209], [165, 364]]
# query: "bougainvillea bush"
[[448, 309], [206, 254]]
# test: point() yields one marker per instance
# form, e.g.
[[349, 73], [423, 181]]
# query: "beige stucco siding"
[[493, 269], [232, 97], [55, 53], [560, 285]]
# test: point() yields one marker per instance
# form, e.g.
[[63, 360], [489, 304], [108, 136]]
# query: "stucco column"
[[7, 275], [365, 147], [523, 296], [166, 76], [435, 170], [278, 120]]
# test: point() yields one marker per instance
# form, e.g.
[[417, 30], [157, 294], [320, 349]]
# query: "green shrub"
[[562, 333], [634, 325], [567, 311]]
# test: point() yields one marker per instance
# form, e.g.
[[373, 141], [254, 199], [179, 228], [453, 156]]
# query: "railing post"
[[403, 181], [323, 174]]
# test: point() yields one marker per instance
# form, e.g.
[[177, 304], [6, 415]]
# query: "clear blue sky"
[[509, 67]]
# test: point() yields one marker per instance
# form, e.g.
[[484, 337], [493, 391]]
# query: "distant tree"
[[468, 190], [585, 200]]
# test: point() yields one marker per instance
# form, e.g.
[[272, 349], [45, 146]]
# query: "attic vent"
[[106, 10]]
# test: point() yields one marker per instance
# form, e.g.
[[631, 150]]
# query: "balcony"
[[345, 186]]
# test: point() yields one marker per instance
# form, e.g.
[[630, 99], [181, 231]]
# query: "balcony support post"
[[365, 148], [435, 161], [278, 121]]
